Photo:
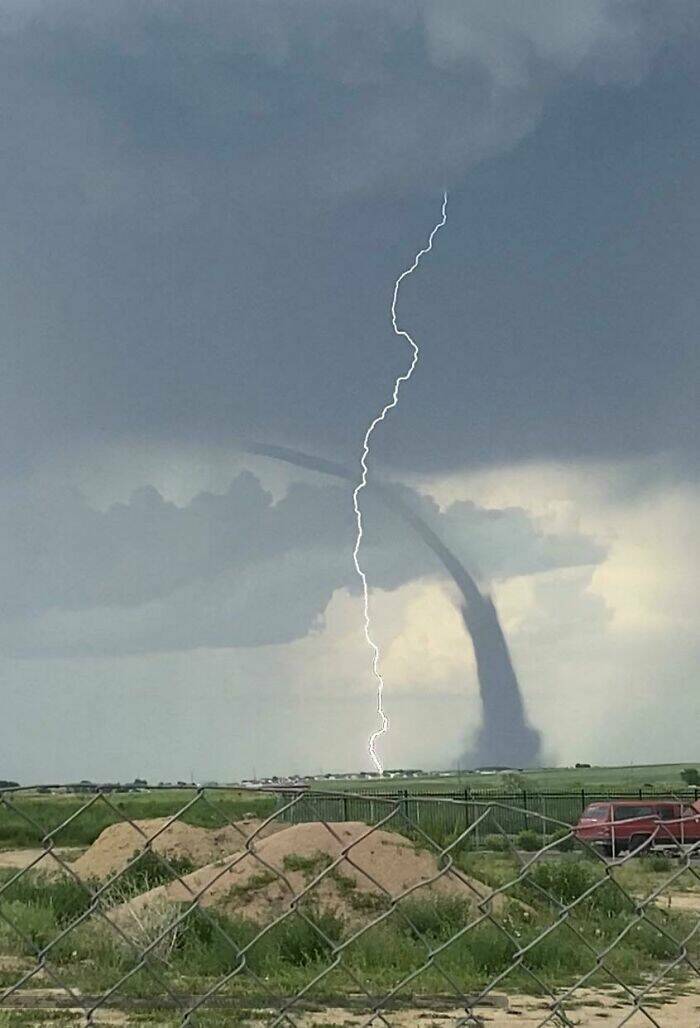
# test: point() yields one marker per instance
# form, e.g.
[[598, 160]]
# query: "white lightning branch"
[[383, 720]]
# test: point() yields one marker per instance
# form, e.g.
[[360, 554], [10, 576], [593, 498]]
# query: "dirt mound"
[[46, 862], [116, 845], [374, 869]]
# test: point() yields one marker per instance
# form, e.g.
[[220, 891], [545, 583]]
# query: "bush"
[[564, 839], [566, 881], [35, 927], [145, 874], [529, 840], [296, 941], [658, 862], [438, 918], [65, 898], [496, 843]]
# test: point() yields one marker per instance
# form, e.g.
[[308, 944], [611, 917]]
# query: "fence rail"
[[387, 914]]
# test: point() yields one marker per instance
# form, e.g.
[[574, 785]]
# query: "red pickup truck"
[[614, 826]]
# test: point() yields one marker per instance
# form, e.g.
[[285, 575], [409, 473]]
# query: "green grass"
[[50, 811], [310, 866], [621, 777], [296, 949], [43, 905]]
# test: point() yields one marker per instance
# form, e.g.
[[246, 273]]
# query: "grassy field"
[[624, 777], [28, 816], [52, 917], [31, 815], [91, 957]]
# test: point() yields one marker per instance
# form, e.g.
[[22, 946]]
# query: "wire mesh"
[[314, 908]]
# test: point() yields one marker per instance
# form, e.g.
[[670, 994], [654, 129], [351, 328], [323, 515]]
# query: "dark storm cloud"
[[204, 208], [226, 570]]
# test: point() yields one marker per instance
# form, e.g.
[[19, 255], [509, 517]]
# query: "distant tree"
[[691, 776]]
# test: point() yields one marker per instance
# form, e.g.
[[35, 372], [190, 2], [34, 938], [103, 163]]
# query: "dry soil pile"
[[116, 845], [40, 859], [261, 885]]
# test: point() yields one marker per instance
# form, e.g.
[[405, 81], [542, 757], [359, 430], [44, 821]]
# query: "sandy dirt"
[[591, 1009], [680, 901], [599, 1009], [23, 858], [116, 845], [262, 884]]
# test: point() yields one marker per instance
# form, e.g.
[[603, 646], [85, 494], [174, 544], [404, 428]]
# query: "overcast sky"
[[203, 210]]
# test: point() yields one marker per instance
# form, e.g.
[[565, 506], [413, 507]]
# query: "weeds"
[[207, 945], [254, 884], [310, 866]]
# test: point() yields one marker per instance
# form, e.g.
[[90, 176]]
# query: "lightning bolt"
[[383, 720]]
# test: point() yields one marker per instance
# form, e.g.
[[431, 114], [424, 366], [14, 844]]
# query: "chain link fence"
[[232, 908]]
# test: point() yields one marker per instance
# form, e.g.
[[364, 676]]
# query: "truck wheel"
[[638, 841]]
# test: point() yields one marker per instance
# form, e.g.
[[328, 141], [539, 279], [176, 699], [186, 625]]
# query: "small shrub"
[[488, 948], [566, 882], [62, 894], [36, 927], [299, 940], [210, 944], [564, 840], [529, 840], [496, 843], [144, 874], [384, 953], [438, 918], [465, 844], [658, 862], [653, 943]]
